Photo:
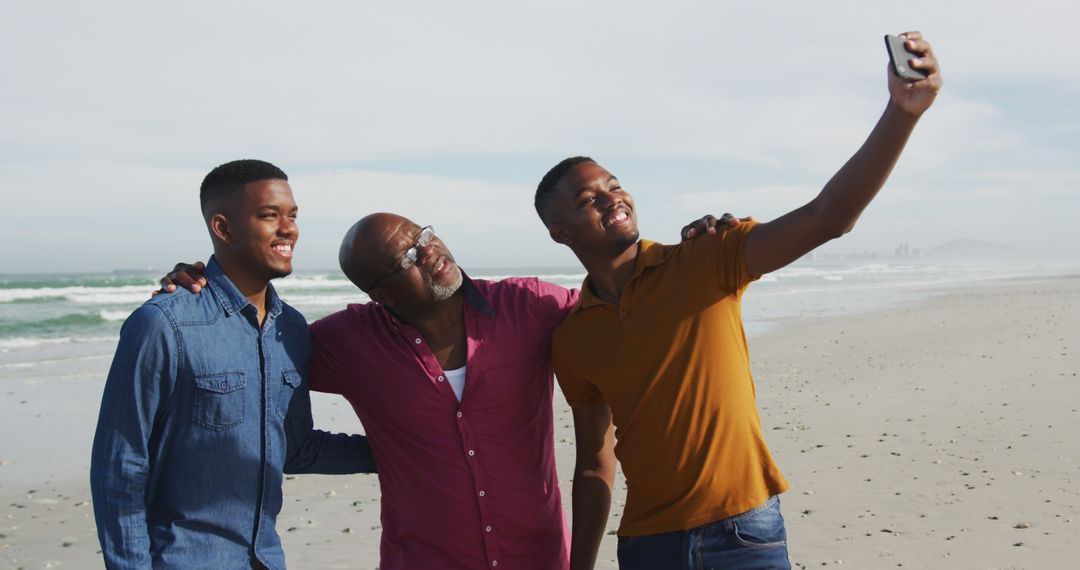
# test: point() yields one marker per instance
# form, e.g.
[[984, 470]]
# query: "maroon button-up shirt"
[[469, 484]]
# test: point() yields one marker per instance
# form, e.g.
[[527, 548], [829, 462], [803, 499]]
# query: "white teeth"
[[616, 217]]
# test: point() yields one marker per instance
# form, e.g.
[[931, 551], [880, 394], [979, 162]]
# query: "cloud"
[[114, 110]]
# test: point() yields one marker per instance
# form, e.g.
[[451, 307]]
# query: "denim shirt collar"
[[230, 298]]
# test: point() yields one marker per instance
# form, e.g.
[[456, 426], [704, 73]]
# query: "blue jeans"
[[754, 540]]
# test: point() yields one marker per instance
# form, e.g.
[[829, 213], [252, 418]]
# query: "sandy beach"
[[932, 434]]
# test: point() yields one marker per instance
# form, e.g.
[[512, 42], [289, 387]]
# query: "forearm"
[[591, 504], [851, 189], [330, 454], [119, 498]]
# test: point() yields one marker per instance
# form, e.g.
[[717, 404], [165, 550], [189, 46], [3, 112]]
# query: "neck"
[[250, 286], [442, 324], [432, 320], [609, 273]]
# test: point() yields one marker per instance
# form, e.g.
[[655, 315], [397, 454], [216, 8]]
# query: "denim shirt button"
[[224, 385]]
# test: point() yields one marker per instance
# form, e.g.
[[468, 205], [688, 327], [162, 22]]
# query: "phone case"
[[899, 56]]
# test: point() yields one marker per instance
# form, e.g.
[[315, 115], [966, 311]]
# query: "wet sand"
[[935, 434]]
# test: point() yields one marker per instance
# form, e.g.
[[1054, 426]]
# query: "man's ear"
[[559, 234], [219, 227]]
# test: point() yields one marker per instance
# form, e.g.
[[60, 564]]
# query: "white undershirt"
[[457, 380]]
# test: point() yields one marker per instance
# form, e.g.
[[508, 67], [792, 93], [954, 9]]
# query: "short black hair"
[[547, 184], [229, 179]]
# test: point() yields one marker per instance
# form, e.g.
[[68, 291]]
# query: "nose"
[[288, 228], [608, 200], [424, 251]]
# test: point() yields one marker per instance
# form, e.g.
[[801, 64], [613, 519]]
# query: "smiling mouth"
[[617, 218], [283, 249], [441, 266]]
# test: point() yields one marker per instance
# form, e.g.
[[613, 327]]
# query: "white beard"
[[444, 292]]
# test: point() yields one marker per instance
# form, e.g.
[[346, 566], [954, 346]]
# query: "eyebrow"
[[586, 188]]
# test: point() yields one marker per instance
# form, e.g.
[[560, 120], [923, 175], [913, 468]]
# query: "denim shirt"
[[202, 412]]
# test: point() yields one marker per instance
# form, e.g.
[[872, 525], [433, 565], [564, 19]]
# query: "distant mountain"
[[972, 249]]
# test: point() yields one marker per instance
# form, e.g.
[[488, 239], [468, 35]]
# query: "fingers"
[[926, 62], [688, 232], [914, 35], [189, 277], [698, 227], [710, 224]]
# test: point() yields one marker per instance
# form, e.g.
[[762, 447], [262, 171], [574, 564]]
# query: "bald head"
[[368, 248]]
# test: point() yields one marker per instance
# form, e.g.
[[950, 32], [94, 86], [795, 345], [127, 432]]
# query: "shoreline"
[[936, 432]]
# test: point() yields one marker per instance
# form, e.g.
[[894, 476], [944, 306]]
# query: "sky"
[[450, 112]]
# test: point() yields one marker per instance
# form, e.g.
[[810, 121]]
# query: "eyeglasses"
[[410, 257]]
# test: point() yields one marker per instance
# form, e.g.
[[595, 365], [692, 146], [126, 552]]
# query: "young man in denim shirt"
[[207, 402]]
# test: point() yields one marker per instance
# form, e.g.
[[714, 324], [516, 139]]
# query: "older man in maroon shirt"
[[452, 380]]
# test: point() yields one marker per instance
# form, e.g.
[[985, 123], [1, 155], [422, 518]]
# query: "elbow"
[[832, 230], [840, 230]]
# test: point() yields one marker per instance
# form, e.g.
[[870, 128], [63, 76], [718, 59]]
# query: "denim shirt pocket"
[[290, 381], [219, 399]]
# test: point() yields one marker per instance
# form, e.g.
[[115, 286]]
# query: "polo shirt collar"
[[650, 254], [229, 297]]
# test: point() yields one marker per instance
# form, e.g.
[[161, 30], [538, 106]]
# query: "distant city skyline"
[[450, 114]]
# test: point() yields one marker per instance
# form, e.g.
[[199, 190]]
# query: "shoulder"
[[152, 324], [521, 286], [727, 241], [150, 315], [184, 306], [547, 302]]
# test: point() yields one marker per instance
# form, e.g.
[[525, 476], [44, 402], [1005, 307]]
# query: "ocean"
[[64, 326]]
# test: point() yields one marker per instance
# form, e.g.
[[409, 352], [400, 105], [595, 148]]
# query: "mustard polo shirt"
[[671, 361]]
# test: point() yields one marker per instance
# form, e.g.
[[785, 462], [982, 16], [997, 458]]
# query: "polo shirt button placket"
[[416, 340]]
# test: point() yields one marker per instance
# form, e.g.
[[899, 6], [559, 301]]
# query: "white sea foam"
[[7, 344], [126, 294], [325, 300], [114, 315], [312, 282]]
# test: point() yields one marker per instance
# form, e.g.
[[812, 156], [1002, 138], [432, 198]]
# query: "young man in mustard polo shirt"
[[656, 347]]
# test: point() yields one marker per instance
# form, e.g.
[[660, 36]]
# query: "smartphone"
[[900, 56]]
